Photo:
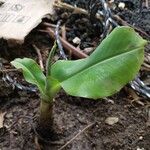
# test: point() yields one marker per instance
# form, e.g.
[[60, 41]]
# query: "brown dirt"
[[72, 115]]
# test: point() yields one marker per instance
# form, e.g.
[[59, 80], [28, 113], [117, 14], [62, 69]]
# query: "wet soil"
[[73, 116]]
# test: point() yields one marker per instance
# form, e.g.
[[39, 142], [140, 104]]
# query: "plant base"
[[46, 129]]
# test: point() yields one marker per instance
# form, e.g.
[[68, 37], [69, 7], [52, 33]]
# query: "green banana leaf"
[[113, 64], [31, 71]]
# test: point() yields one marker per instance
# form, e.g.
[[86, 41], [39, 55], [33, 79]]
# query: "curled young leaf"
[[52, 87], [113, 64]]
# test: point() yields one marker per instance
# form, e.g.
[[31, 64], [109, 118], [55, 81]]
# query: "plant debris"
[[2, 114], [111, 120]]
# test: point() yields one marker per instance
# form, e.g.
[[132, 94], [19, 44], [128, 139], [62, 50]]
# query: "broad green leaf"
[[31, 71], [113, 64]]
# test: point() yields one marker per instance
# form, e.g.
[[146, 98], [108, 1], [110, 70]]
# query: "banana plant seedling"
[[114, 63]]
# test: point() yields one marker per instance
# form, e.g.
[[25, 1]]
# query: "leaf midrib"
[[94, 64]]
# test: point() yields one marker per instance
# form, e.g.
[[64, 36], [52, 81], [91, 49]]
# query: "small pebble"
[[121, 5], [140, 148], [111, 120], [76, 40], [141, 138], [78, 115]]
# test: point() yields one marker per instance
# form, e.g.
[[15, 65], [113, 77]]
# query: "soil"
[[73, 116]]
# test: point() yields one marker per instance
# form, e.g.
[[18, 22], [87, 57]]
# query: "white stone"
[[111, 120], [121, 5], [140, 148], [141, 138], [76, 40]]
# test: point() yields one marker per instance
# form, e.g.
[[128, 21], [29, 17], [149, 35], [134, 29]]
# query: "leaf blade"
[[103, 87], [31, 71], [72, 71]]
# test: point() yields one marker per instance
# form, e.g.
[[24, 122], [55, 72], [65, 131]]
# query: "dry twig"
[[63, 29], [147, 3], [9, 70], [54, 26], [39, 56], [66, 44], [77, 135], [76, 10], [123, 22]]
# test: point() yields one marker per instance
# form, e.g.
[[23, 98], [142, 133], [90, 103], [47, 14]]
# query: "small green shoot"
[[113, 64]]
